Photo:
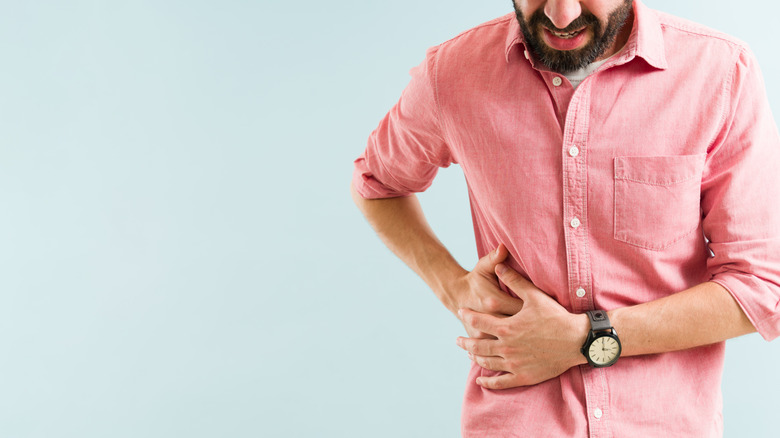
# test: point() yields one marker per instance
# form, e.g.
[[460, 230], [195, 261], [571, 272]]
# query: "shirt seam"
[[728, 88], [716, 35], [586, 206], [663, 184], [434, 83], [494, 22]]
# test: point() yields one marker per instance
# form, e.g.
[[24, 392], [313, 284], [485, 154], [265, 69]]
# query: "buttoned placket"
[[573, 110], [575, 203], [574, 166], [561, 91]]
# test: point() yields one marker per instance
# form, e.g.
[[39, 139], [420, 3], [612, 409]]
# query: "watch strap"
[[598, 320]]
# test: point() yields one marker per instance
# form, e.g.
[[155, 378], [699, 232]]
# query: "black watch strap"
[[598, 320]]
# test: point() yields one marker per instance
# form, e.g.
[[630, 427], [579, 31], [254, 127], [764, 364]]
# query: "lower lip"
[[564, 43]]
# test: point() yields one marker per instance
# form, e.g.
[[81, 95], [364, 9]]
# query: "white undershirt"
[[578, 76]]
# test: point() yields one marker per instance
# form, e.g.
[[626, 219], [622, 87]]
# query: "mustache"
[[538, 18]]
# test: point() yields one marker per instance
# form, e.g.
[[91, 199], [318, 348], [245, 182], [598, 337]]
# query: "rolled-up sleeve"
[[741, 200], [406, 150]]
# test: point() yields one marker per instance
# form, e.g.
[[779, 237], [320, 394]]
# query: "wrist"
[[602, 347], [579, 329], [450, 287]]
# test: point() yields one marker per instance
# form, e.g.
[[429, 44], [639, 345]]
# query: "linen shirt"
[[659, 172]]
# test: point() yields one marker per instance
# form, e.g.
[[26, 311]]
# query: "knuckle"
[[492, 304]]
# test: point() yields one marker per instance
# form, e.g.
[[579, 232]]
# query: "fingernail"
[[460, 312], [496, 251], [471, 356], [500, 268]]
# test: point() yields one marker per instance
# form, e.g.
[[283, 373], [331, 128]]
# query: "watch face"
[[603, 350]]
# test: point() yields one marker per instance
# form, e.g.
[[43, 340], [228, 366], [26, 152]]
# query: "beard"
[[565, 61]]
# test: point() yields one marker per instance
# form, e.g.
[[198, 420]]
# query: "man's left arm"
[[543, 340], [740, 203]]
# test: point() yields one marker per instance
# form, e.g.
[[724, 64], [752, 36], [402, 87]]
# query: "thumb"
[[487, 264], [514, 281]]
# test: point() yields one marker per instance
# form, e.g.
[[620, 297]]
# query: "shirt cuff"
[[368, 186], [757, 299]]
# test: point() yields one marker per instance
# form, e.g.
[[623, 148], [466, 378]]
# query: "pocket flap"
[[661, 171]]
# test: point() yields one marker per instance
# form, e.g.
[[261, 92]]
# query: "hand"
[[479, 290], [538, 343]]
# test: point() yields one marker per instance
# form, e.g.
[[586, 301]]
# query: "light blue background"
[[179, 255]]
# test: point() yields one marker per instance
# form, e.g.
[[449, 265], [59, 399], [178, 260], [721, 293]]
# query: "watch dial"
[[604, 350]]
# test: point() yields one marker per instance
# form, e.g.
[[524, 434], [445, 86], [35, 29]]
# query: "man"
[[621, 166]]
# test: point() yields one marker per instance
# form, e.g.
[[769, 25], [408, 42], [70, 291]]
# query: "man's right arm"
[[402, 226]]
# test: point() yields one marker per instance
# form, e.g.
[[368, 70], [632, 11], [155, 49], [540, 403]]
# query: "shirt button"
[[557, 81], [580, 292], [597, 413], [574, 151], [575, 223]]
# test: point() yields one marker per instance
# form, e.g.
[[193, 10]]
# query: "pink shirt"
[[603, 197]]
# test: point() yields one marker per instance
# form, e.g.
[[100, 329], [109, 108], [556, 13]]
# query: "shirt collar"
[[646, 40]]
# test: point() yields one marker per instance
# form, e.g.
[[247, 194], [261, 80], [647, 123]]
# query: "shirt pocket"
[[657, 199]]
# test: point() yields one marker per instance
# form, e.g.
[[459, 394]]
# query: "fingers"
[[496, 303], [487, 264], [476, 334], [489, 362], [481, 321], [490, 298], [504, 381], [516, 282], [479, 347], [507, 305]]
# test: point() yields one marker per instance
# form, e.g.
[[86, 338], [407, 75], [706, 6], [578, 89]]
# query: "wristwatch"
[[602, 346]]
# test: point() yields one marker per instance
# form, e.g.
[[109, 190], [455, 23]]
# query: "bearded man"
[[621, 166]]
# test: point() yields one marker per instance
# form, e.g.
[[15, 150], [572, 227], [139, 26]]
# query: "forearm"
[[702, 315], [402, 226], [543, 339]]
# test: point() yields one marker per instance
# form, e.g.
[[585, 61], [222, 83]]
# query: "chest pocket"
[[657, 199]]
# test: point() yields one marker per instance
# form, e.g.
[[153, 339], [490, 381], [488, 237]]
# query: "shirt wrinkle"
[[602, 196]]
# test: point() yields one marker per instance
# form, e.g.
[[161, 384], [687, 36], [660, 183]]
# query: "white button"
[[574, 151], [597, 413], [557, 81], [580, 292], [575, 223]]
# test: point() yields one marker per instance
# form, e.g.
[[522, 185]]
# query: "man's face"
[[566, 35]]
